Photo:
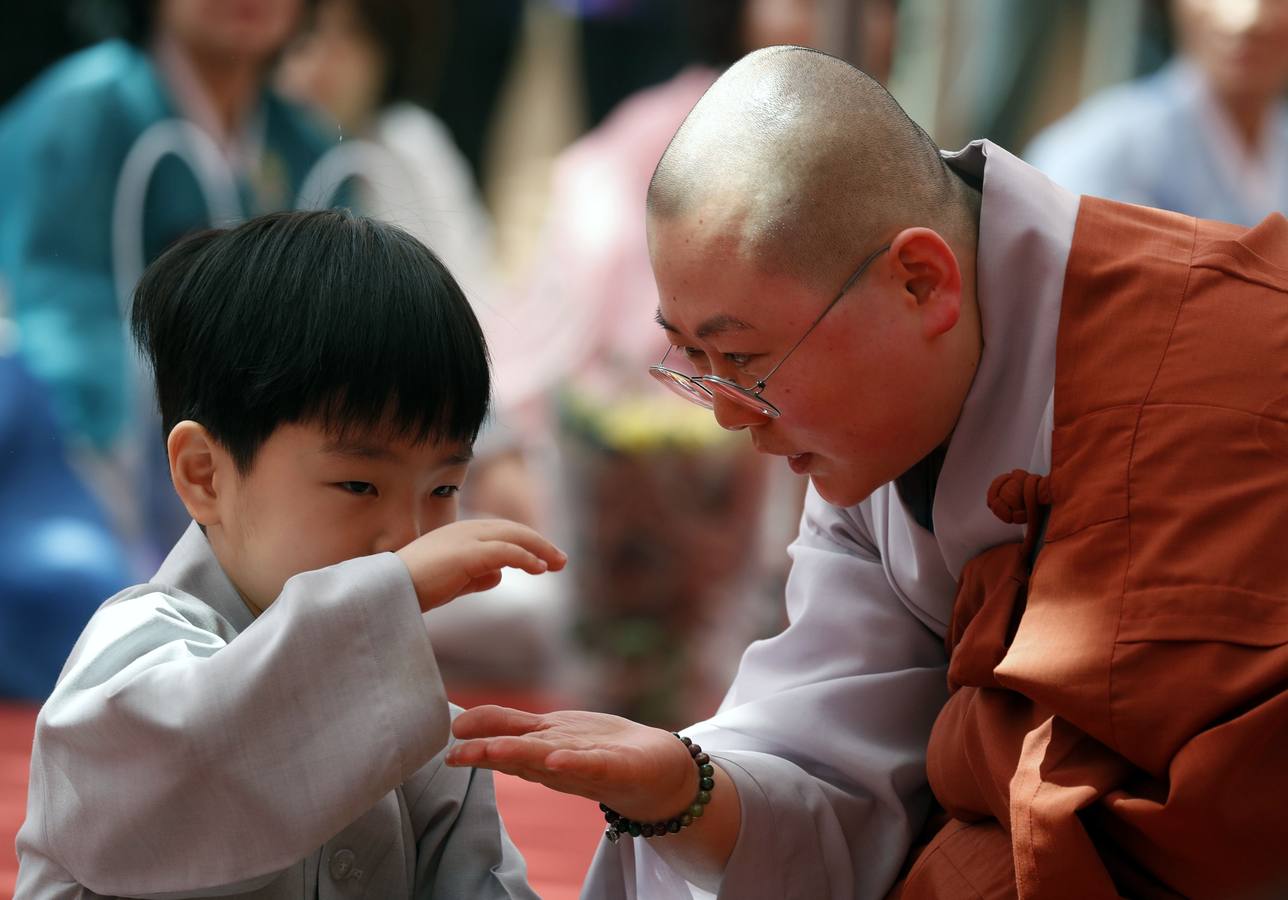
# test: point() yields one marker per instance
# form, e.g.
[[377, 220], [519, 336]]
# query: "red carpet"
[[556, 833], [16, 726]]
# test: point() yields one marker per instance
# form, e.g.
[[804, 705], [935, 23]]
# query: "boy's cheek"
[[449, 512]]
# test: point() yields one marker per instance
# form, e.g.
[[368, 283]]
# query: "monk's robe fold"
[[1120, 714]]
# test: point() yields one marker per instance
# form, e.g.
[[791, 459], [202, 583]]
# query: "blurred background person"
[[365, 64], [478, 42], [664, 512], [105, 159], [1206, 135], [58, 556], [627, 45]]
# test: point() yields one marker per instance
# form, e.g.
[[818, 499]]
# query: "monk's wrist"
[[667, 809]]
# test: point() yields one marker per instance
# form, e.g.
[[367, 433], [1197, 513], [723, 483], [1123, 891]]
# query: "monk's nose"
[[734, 416]]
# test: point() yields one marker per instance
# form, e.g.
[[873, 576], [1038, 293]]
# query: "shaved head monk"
[[1039, 600]]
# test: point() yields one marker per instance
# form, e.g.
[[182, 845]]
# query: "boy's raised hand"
[[644, 773], [468, 556]]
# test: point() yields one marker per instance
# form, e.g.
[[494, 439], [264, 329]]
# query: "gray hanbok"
[[191, 750]]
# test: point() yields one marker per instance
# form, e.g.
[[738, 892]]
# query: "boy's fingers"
[[481, 583], [533, 563], [523, 536], [501, 554]]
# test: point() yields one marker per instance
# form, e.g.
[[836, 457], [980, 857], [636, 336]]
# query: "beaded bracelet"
[[619, 825]]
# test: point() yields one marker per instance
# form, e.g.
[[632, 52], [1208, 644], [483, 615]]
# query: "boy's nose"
[[400, 532]]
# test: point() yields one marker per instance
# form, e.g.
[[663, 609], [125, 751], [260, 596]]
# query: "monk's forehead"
[[713, 228], [707, 284]]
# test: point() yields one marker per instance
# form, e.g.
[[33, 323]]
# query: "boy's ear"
[[199, 469]]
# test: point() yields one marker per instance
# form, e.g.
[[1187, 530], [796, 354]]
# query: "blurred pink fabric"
[[586, 313]]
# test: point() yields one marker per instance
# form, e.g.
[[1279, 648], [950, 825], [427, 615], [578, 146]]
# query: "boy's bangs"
[[416, 402], [396, 348]]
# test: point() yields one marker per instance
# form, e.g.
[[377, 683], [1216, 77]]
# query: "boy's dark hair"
[[323, 317]]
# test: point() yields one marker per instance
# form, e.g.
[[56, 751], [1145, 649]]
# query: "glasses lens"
[[742, 397], [683, 385]]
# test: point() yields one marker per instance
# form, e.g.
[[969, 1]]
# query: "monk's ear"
[[200, 468], [927, 269]]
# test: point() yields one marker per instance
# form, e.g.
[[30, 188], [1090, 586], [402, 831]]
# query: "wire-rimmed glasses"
[[703, 389]]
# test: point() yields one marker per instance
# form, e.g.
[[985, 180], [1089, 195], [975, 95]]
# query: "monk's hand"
[[641, 772]]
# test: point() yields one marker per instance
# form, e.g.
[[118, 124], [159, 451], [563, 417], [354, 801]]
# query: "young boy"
[[266, 719]]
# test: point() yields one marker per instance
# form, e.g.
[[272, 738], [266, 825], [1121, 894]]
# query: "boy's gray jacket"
[[191, 750]]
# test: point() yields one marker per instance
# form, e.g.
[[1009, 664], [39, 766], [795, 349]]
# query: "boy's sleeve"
[[462, 848], [172, 759]]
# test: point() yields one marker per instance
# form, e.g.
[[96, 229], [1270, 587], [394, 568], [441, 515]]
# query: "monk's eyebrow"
[[718, 324], [667, 326]]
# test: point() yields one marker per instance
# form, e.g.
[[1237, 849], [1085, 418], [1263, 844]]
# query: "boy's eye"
[[358, 487], [738, 360], [447, 490]]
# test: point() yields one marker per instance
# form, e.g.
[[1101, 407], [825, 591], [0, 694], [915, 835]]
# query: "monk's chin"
[[840, 491]]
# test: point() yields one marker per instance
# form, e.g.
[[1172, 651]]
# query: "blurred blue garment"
[[63, 142], [1164, 141], [58, 557]]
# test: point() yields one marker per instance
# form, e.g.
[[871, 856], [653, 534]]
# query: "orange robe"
[[1119, 718]]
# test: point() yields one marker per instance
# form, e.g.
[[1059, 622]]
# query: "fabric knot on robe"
[[1015, 497]]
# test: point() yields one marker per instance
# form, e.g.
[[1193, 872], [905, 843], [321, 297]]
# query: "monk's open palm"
[[642, 772]]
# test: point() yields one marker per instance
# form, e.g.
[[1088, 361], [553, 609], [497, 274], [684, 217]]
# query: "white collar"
[[1025, 234]]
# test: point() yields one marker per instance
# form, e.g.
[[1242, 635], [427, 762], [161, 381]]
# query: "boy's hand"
[[641, 772], [465, 557]]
